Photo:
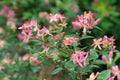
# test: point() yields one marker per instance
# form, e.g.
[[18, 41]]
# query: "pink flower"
[[34, 60], [44, 31], [26, 57], [1, 67], [6, 61], [56, 18], [118, 77], [93, 76], [27, 30], [97, 43], [43, 46], [85, 21], [115, 70], [4, 10], [69, 40], [80, 58], [104, 59], [2, 43], [110, 78], [110, 56], [104, 42], [108, 42], [1, 30]]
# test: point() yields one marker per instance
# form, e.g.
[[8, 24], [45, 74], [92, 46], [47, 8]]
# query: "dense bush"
[[59, 40]]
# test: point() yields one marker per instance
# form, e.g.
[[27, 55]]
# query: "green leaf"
[[99, 62], [69, 65], [73, 75], [116, 57], [57, 70], [16, 57], [92, 56], [64, 52], [98, 28], [104, 75], [86, 37], [74, 44]]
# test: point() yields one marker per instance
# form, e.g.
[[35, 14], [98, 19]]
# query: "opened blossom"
[[93, 76], [111, 78], [34, 60], [85, 22], [56, 18], [70, 40], [115, 70], [80, 58], [97, 43]]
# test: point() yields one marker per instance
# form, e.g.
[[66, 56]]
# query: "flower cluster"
[[70, 40], [85, 21], [57, 18], [10, 16], [31, 30], [80, 58], [104, 42]]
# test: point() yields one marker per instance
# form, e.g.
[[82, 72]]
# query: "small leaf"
[[73, 75], [92, 56], [98, 28], [57, 70], [116, 57], [86, 37], [104, 75], [69, 65], [99, 62]]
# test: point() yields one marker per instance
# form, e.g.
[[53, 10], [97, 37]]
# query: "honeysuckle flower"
[[43, 46], [74, 7], [1, 30], [27, 30], [6, 60], [85, 21], [6, 77], [34, 60], [43, 15], [80, 58], [4, 10], [97, 43], [93, 76], [104, 42], [118, 77], [56, 18], [110, 78], [1, 67], [110, 56], [104, 59], [26, 57], [44, 31], [115, 70], [2, 43], [10, 14], [69, 40]]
